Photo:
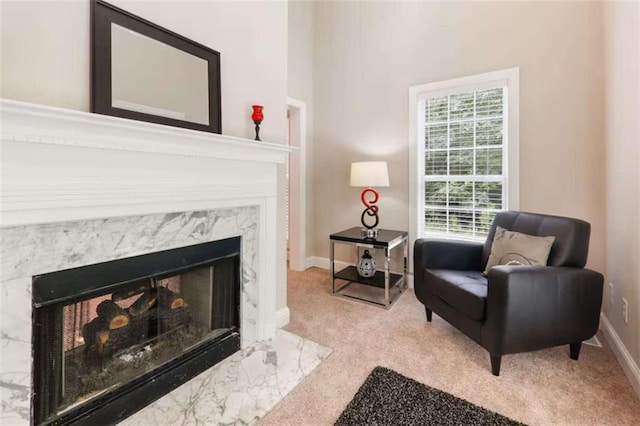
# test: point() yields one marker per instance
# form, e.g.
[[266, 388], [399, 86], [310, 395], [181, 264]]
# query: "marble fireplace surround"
[[81, 188]]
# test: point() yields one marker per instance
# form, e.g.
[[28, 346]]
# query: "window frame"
[[508, 78]]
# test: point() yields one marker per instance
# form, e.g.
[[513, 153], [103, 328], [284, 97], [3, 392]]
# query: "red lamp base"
[[371, 210]]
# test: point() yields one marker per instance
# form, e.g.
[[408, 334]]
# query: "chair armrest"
[[534, 307], [438, 254], [443, 254]]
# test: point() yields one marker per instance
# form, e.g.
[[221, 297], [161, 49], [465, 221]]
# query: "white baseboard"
[[323, 263], [629, 366], [282, 317], [316, 262]]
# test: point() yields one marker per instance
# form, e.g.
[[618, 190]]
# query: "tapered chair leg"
[[495, 364], [574, 350], [429, 313]]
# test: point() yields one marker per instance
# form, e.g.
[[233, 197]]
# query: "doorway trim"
[[297, 111]]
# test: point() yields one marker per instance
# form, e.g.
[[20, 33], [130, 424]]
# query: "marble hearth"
[[79, 189]]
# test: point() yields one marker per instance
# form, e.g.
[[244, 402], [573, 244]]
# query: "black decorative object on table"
[[366, 265]]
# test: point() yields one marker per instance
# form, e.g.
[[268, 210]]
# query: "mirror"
[[139, 65], [145, 72]]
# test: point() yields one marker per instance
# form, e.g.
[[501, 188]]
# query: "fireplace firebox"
[[111, 338]]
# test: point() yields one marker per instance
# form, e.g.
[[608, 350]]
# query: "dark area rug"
[[389, 398]]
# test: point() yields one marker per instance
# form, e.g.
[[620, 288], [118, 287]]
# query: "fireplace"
[[83, 189], [112, 337]]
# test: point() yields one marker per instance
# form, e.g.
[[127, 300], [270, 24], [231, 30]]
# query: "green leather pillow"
[[515, 248]]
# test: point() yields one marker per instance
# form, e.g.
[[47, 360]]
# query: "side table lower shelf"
[[369, 290], [350, 273]]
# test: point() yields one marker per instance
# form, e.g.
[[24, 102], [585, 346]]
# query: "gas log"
[[108, 342], [89, 331], [143, 303], [112, 315], [168, 299], [136, 289], [157, 311], [159, 295]]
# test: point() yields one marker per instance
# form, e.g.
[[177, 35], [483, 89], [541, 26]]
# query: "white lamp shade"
[[369, 174]]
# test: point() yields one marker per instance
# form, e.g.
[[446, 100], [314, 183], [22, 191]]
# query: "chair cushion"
[[465, 291]]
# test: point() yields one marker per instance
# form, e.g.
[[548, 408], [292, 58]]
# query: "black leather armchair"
[[515, 308]]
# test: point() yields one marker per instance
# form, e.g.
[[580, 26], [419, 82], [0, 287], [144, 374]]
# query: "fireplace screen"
[[105, 341]]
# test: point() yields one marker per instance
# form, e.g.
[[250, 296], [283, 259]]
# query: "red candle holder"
[[257, 118]]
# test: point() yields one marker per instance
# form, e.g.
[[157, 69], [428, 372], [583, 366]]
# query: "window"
[[464, 153]]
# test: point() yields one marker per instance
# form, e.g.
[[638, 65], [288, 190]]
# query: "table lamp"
[[369, 174]]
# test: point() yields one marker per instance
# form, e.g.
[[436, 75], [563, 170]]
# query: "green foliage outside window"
[[463, 162]]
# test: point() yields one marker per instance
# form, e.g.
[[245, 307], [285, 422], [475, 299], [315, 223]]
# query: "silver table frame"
[[388, 249]]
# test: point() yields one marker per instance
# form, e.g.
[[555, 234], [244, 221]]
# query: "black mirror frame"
[[102, 15]]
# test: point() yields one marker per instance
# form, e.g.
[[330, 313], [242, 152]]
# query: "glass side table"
[[385, 287]]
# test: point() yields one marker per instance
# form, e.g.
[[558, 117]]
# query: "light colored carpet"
[[538, 388]]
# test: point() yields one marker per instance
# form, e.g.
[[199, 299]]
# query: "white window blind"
[[464, 136]]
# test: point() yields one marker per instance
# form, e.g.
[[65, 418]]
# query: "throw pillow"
[[513, 248]]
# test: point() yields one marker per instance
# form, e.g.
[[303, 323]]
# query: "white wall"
[[300, 87], [45, 60], [367, 54], [45, 53], [622, 136]]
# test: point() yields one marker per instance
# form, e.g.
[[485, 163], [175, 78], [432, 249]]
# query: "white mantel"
[[60, 165], [98, 181]]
